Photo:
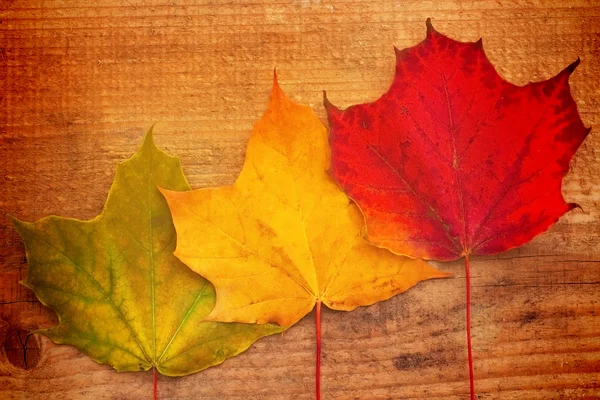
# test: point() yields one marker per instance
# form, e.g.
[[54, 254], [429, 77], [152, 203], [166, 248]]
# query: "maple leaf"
[[284, 237], [120, 294], [453, 160]]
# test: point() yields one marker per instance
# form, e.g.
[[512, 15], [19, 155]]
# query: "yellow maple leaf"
[[284, 237]]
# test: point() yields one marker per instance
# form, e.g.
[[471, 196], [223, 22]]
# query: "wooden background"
[[80, 84]]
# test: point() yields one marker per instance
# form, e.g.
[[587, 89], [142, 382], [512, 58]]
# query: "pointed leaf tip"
[[11, 218], [566, 72], [430, 28], [18, 224], [277, 94], [571, 67], [166, 193], [162, 190], [332, 110], [400, 54], [148, 138], [326, 101], [328, 105], [15, 221], [573, 206]]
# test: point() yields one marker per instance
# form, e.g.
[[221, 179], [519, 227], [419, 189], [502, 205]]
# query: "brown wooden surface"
[[80, 84]]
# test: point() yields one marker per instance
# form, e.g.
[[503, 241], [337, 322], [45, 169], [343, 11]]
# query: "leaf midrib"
[[156, 360], [151, 254]]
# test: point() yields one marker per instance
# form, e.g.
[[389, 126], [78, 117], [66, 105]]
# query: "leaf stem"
[[318, 370], [155, 384], [469, 346]]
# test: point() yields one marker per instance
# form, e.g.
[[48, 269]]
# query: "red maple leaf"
[[453, 160]]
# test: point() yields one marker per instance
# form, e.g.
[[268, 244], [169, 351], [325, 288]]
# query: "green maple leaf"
[[120, 294]]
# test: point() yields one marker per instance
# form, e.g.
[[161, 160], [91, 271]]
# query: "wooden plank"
[[81, 83]]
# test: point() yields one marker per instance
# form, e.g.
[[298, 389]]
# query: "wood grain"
[[81, 83]]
